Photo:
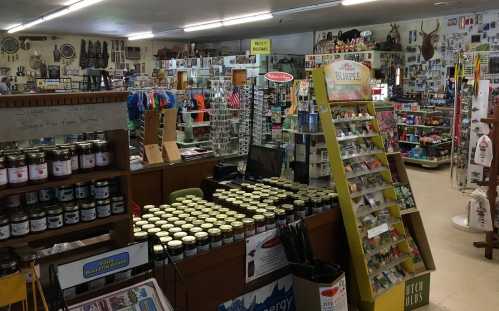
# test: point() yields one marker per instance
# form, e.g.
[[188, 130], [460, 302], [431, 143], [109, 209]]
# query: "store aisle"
[[464, 279]]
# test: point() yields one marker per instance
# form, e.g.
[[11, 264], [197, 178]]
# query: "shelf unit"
[[370, 298], [55, 115]]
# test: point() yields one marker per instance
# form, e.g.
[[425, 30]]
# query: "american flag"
[[235, 99]]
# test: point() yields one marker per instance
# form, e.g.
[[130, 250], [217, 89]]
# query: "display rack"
[[54, 115], [372, 296]]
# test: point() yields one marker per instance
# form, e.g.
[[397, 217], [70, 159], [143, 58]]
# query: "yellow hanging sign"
[[261, 47]]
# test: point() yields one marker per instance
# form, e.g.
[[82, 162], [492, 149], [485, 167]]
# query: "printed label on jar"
[[260, 229], [270, 226], [54, 222], [301, 214], [229, 240], [31, 198], [45, 195], [103, 211], [216, 244], [177, 258], [317, 210], [38, 171], [18, 175], [71, 218], [102, 158], [20, 228], [88, 214], [38, 225], [204, 248], [4, 232], [65, 195], [290, 219], [190, 252], [74, 163], [118, 208], [281, 222], [61, 168], [239, 236], [249, 233], [101, 193], [3, 176], [87, 161], [82, 192]]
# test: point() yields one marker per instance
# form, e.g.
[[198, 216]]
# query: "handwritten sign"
[[38, 122], [261, 47], [347, 80]]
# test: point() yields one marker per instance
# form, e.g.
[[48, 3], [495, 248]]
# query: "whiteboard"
[[38, 122]]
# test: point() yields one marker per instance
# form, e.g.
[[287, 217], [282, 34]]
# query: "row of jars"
[[19, 167], [21, 222]]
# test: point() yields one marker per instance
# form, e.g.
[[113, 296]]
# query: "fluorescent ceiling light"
[[247, 19], [308, 8], [140, 36], [203, 27], [354, 2], [203, 23], [71, 6], [70, 2]]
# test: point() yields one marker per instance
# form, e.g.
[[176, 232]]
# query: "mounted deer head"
[[394, 34], [428, 49]]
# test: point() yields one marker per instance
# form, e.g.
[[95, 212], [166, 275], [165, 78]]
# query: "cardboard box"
[[171, 152], [311, 296]]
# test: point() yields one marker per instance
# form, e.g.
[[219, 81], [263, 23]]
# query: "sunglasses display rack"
[[380, 252], [244, 123], [261, 117]]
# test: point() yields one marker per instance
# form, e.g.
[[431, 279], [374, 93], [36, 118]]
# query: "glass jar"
[[249, 227], [55, 219], [86, 156], [281, 217], [215, 237], [71, 213], [190, 247], [31, 198], [60, 164], [46, 195], [3, 173], [260, 223], [300, 210], [159, 254], [37, 167], [140, 236], [8, 266], [88, 211], [206, 227], [103, 208], [37, 220], [118, 206], [316, 205], [101, 190], [19, 224], [65, 193], [17, 170], [75, 166], [176, 250], [227, 234], [102, 154], [238, 228], [270, 220], [290, 212], [203, 241], [82, 190], [13, 201], [4, 227]]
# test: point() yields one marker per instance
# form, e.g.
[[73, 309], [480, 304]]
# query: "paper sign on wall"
[[261, 47], [347, 80]]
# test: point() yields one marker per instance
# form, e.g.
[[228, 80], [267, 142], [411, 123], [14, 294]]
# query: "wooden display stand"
[[370, 299], [57, 114]]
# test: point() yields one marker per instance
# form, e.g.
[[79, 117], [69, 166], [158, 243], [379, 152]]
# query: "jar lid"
[[163, 206], [161, 234], [148, 207], [158, 249], [71, 147], [147, 216], [175, 244], [180, 223], [160, 223], [154, 219], [102, 183], [237, 225], [100, 143], [147, 227], [4, 220], [269, 215], [211, 220], [140, 235], [54, 210], [36, 212], [261, 210], [280, 212], [82, 184], [299, 202], [165, 239], [173, 219], [36, 155], [15, 157], [189, 240], [141, 223], [259, 217], [195, 230], [214, 232], [167, 227], [197, 222], [153, 231], [70, 207], [103, 202], [87, 204], [201, 235], [84, 145], [187, 227], [174, 230], [206, 226], [248, 221]]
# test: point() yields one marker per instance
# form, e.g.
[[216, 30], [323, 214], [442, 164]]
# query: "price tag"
[[374, 232]]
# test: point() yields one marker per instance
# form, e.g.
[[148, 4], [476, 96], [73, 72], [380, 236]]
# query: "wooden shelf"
[[73, 179], [390, 265], [409, 211], [50, 234]]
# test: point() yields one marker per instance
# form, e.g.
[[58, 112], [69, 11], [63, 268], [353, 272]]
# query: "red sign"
[[279, 77]]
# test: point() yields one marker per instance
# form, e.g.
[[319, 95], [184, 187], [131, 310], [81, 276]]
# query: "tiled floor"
[[464, 279]]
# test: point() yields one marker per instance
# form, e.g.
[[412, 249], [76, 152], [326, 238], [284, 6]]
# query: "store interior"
[[294, 155]]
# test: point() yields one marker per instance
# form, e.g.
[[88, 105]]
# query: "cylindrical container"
[[176, 250], [37, 167], [215, 237], [290, 212], [300, 209], [238, 228], [88, 211], [102, 154], [140, 236], [316, 205], [17, 170], [118, 205], [71, 213], [249, 227], [260, 223], [270, 220], [203, 241], [4, 227], [82, 191], [31, 198], [227, 234], [86, 156], [190, 247], [103, 208], [281, 217], [13, 201], [19, 224], [4, 180], [101, 190], [60, 164], [75, 166], [55, 219], [179, 235], [46, 195], [65, 193], [37, 220]]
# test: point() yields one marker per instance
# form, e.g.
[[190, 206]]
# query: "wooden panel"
[[34, 100], [187, 175], [219, 275], [147, 187]]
